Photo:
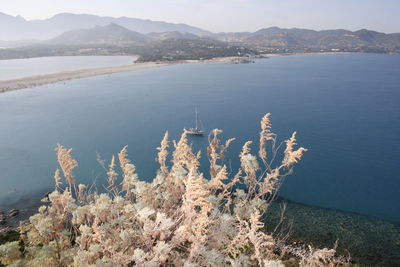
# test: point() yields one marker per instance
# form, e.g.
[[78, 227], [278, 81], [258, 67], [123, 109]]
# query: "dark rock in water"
[[46, 195], [242, 61], [13, 213], [8, 236], [2, 218]]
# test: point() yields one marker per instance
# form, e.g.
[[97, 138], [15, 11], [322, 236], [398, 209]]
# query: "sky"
[[228, 15]]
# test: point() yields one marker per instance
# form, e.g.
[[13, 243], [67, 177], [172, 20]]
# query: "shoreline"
[[38, 80], [358, 234], [51, 78]]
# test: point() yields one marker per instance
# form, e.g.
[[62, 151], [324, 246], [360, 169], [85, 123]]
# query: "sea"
[[18, 68], [345, 109]]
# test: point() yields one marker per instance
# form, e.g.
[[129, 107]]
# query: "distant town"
[[162, 41]]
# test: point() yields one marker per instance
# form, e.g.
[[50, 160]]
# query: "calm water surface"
[[18, 68], [345, 108]]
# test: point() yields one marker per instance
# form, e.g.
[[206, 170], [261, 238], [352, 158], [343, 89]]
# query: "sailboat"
[[197, 130]]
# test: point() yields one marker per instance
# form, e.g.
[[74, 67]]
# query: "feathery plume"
[[291, 157], [265, 135], [112, 174], [246, 148], [57, 178], [163, 154], [183, 155], [216, 152], [67, 163], [178, 219], [130, 178], [123, 157]]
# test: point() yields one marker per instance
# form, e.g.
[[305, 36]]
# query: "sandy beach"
[[37, 80]]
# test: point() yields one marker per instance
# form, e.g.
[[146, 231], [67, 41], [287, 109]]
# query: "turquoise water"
[[345, 109], [18, 68]]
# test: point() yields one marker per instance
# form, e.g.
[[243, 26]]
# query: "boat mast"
[[196, 117]]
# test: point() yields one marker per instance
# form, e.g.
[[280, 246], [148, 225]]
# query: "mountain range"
[[17, 28], [71, 34], [117, 35], [109, 34], [303, 38], [272, 39]]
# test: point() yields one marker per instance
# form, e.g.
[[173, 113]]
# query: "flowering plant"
[[179, 219]]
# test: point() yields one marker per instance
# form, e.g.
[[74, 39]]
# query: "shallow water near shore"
[[369, 241], [345, 109]]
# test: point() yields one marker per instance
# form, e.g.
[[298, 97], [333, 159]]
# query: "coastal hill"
[[117, 35], [326, 40], [114, 39], [271, 39], [109, 34], [172, 35], [17, 28], [190, 49], [73, 34]]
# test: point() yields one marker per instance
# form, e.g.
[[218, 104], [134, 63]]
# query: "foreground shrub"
[[179, 219]]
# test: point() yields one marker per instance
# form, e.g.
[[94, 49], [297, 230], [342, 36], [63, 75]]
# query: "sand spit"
[[32, 81], [38, 80]]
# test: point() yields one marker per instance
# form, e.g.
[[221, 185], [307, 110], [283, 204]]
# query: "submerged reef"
[[370, 241]]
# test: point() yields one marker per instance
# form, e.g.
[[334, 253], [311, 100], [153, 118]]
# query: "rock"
[[2, 218], [242, 61], [13, 213], [46, 196]]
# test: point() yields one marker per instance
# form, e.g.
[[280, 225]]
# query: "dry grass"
[[181, 218]]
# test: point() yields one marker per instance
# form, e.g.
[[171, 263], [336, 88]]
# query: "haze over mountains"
[[17, 28], [303, 38], [109, 34], [270, 38], [71, 34]]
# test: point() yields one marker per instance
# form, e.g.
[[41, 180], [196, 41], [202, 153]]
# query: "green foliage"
[[185, 49], [166, 50]]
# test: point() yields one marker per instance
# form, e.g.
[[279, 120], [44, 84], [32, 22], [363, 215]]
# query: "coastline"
[[38, 80], [321, 223], [43, 79], [357, 234]]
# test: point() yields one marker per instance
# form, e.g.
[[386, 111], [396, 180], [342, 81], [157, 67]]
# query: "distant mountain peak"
[[111, 33], [297, 39], [15, 28], [115, 25], [4, 15]]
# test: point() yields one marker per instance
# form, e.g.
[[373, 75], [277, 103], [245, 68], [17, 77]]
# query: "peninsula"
[[37, 80]]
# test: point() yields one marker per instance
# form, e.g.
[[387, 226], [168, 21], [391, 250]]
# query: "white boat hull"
[[193, 131]]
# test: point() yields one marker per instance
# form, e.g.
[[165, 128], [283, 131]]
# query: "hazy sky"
[[228, 15]]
